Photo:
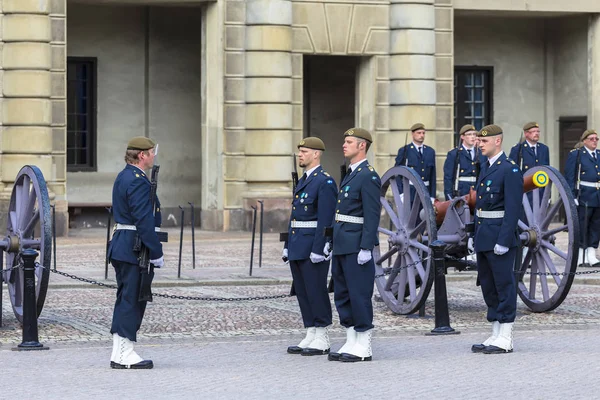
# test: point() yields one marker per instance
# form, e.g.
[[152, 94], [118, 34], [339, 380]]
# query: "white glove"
[[470, 246], [159, 262], [284, 256], [432, 200], [576, 202], [363, 256], [316, 258], [499, 250], [402, 197], [327, 251]]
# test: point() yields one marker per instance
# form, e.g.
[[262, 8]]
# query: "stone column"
[[444, 60], [26, 90], [412, 91], [268, 110], [594, 72]]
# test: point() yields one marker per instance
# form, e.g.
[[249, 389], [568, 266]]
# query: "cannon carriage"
[[544, 267]]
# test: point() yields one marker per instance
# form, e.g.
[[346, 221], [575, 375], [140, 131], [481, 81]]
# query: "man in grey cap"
[[134, 217], [313, 206]]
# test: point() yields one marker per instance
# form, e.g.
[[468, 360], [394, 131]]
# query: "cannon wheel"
[[29, 226], [406, 260], [539, 231]]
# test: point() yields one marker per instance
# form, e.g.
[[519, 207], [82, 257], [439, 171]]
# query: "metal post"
[[260, 237], [253, 235], [180, 242], [30, 328], [193, 237], [109, 209], [54, 235], [442, 317]]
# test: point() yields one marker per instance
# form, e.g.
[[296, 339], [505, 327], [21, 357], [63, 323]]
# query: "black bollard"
[[54, 234], [253, 236], [180, 242], [193, 236], [442, 317], [107, 242], [30, 328], [260, 236]]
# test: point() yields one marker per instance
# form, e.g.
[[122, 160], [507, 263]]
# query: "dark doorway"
[[329, 104], [570, 129]]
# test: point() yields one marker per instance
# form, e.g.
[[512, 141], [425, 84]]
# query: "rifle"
[[343, 170], [283, 236], [294, 175], [520, 153], [146, 267], [456, 171], [577, 184]]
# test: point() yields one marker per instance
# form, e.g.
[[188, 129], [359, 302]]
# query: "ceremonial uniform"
[[313, 207], [422, 161], [465, 167], [499, 191], [133, 214], [355, 228], [582, 172]]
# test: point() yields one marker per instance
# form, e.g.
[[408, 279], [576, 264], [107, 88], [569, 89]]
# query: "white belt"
[[590, 184], [349, 218], [124, 227], [304, 224], [467, 179], [425, 182], [490, 214]]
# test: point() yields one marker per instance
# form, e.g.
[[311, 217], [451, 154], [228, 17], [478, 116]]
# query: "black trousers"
[[498, 284], [353, 291], [310, 283], [591, 236], [128, 312]]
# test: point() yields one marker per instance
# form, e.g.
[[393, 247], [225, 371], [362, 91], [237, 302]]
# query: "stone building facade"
[[228, 87]]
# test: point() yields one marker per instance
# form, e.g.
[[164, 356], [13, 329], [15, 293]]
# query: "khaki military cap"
[[140, 143], [359, 133], [467, 128], [417, 126], [490, 130], [312, 143], [530, 125], [587, 133]]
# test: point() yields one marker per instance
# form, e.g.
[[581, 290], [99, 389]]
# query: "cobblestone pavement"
[[212, 349]]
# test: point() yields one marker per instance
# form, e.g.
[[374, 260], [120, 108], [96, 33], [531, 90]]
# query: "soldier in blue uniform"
[[461, 165], [582, 172], [354, 236], [419, 157], [499, 190], [133, 214], [530, 152], [313, 207]]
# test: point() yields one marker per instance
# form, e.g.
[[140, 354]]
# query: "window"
[[472, 97], [81, 114]]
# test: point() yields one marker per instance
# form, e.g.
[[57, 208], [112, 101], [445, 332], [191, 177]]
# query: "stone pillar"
[[593, 118], [27, 114], [268, 108], [412, 71]]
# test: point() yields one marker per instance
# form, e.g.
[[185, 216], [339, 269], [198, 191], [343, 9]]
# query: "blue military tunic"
[[131, 205], [499, 188], [358, 197], [313, 203], [526, 158], [581, 166], [466, 168], [424, 164]]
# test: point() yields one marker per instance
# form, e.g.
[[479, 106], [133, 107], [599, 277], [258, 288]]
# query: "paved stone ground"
[[212, 349]]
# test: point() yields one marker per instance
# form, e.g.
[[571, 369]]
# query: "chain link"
[[10, 269], [177, 297], [398, 269]]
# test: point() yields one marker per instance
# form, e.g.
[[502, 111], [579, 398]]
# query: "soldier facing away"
[[134, 216], [354, 237], [313, 206]]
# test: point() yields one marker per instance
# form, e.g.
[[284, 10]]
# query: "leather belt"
[[125, 227], [303, 224], [425, 182], [467, 179], [349, 218], [490, 214], [590, 184]]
